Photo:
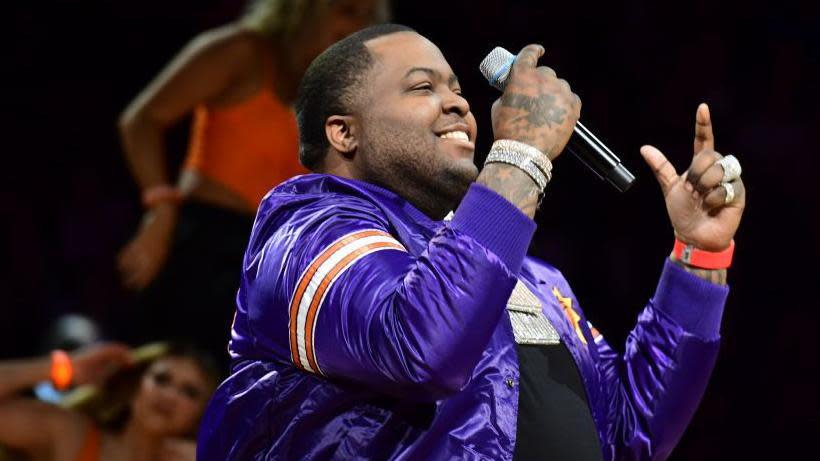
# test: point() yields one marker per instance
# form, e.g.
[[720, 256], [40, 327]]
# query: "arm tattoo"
[[513, 184], [540, 110], [718, 277]]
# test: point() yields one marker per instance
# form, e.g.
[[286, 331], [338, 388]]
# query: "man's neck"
[[435, 208]]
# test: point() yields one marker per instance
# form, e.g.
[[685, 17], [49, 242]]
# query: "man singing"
[[372, 325]]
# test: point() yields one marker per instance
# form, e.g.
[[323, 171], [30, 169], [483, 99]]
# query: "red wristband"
[[694, 257], [62, 371], [162, 193]]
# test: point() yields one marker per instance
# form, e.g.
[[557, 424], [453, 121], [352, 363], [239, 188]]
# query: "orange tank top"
[[90, 450], [249, 147]]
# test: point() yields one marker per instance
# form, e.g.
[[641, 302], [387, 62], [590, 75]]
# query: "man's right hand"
[[537, 107]]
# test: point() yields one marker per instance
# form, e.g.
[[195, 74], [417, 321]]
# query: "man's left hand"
[[696, 200]]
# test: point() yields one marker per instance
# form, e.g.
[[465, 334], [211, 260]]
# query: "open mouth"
[[458, 135]]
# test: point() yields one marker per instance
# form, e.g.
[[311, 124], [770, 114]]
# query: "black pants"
[[193, 297]]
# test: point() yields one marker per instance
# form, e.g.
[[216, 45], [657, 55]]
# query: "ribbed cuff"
[[496, 224], [692, 302]]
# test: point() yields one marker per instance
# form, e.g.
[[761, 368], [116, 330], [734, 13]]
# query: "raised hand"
[[537, 108], [94, 364], [696, 200]]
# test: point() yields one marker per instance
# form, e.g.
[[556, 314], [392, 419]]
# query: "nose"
[[455, 103], [167, 394]]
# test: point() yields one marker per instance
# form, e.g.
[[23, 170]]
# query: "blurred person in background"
[[68, 332], [135, 405], [239, 81]]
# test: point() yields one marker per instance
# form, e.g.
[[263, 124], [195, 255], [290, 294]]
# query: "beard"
[[407, 161]]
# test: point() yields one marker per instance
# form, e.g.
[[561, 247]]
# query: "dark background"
[[640, 66]]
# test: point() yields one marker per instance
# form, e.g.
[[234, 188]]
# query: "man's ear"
[[341, 134]]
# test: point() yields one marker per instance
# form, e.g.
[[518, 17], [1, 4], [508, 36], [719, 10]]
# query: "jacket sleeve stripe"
[[318, 278], [596, 335], [324, 287], [306, 276]]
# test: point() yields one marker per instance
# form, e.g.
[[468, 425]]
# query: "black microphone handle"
[[583, 144], [598, 158]]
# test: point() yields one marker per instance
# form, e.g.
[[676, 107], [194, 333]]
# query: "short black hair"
[[331, 86]]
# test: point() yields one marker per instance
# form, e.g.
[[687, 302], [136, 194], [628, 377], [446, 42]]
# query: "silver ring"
[[730, 192], [731, 168]]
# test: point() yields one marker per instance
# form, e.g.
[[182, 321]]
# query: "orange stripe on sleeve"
[[308, 275], [320, 292]]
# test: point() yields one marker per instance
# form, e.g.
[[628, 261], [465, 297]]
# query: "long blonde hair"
[[282, 18]]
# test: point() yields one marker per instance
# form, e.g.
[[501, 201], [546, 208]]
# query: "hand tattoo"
[[513, 184], [540, 110]]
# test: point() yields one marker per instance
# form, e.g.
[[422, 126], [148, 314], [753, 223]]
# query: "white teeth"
[[455, 135]]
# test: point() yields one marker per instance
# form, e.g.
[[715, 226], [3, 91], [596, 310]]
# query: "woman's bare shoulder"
[[230, 39]]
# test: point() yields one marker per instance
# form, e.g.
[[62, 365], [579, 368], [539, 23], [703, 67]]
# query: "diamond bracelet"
[[538, 158], [522, 161]]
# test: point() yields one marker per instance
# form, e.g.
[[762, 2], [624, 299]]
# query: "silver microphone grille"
[[496, 67]]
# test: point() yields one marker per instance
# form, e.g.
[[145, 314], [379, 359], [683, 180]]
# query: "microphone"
[[583, 144]]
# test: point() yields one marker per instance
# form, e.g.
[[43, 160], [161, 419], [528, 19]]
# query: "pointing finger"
[[704, 138]]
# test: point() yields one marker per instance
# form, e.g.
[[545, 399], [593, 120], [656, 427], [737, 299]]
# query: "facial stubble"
[[406, 160]]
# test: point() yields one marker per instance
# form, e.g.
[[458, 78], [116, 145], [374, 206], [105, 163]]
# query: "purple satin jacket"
[[366, 330]]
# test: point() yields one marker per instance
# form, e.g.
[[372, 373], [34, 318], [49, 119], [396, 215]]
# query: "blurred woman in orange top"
[[239, 81]]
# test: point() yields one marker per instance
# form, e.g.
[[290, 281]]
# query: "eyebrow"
[[431, 72]]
